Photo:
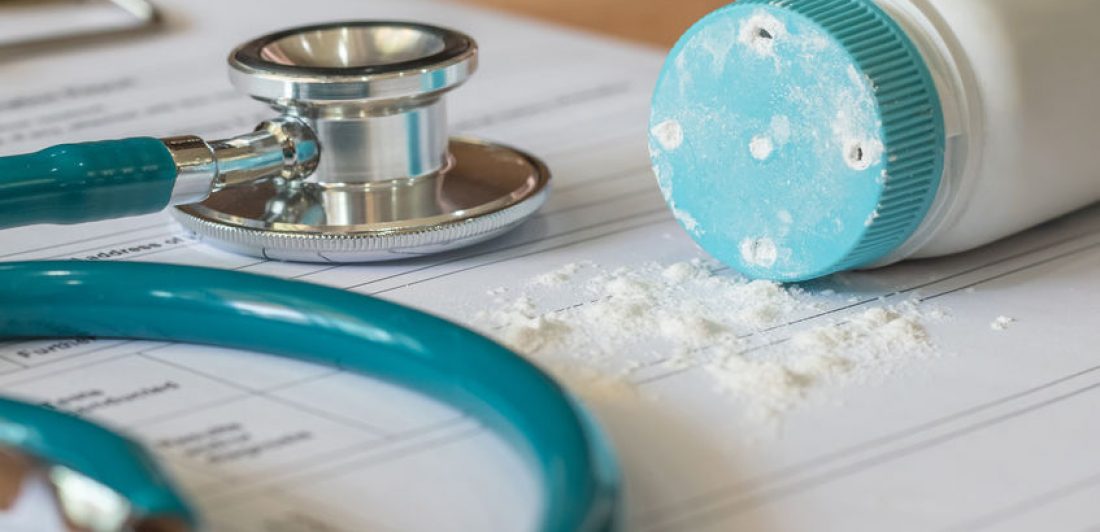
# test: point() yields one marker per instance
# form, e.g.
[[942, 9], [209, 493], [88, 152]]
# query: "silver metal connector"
[[196, 169], [284, 148]]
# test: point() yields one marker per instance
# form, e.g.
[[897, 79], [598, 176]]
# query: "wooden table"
[[658, 22]]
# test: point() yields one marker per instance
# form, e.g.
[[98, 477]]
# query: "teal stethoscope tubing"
[[305, 322]]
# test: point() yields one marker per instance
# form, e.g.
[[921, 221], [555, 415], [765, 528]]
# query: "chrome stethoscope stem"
[[284, 148]]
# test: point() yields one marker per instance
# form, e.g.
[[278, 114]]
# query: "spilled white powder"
[[761, 147], [561, 275], [635, 323], [1002, 323]]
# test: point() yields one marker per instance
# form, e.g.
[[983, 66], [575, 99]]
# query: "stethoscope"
[[358, 167]]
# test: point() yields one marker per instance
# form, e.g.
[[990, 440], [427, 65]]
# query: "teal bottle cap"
[[797, 138]]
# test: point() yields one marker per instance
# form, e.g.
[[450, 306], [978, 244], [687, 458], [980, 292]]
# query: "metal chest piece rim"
[[391, 184]]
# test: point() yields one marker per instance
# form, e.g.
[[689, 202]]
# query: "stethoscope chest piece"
[[389, 181]]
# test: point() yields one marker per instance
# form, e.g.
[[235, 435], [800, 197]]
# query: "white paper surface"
[[998, 434]]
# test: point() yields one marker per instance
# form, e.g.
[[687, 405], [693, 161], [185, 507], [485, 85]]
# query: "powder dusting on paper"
[[561, 275], [635, 323]]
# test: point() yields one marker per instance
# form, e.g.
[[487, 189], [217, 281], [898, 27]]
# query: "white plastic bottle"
[[798, 138]]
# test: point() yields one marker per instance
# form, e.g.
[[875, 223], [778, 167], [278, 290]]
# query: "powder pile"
[[867, 345], [692, 316]]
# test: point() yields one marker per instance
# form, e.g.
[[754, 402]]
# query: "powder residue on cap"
[[684, 316], [781, 129], [871, 218], [779, 134], [760, 252], [856, 126], [664, 183], [686, 219], [862, 153], [759, 33], [669, 134], [761, 147]]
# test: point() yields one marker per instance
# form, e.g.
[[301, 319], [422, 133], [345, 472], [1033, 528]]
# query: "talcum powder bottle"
[[798, 138]]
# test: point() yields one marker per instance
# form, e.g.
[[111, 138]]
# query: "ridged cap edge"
[[912, 117]]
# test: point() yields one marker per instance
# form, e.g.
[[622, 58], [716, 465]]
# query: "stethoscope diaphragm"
[[389, 182]]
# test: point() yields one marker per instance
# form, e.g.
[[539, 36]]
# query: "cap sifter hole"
[[856, 156]]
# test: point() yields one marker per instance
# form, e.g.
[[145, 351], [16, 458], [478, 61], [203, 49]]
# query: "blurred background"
[[657, 22]]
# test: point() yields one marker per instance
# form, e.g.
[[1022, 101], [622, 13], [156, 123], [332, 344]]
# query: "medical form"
[[998, 433]]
